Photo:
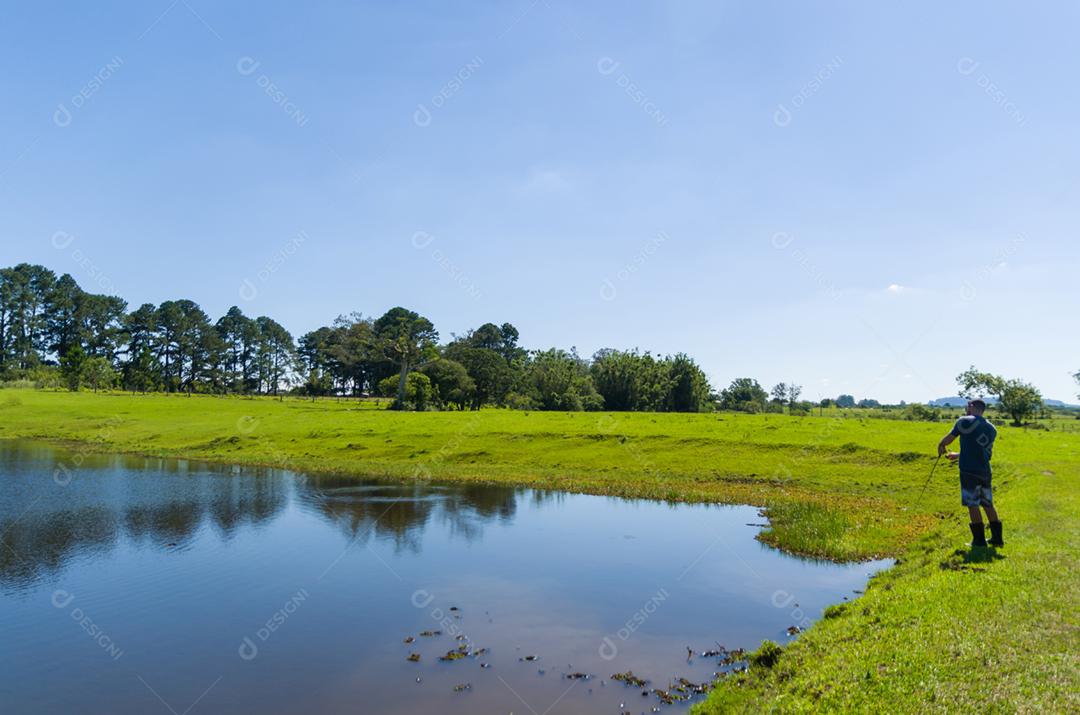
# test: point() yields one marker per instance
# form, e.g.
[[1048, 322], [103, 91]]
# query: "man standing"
[[977, 437]]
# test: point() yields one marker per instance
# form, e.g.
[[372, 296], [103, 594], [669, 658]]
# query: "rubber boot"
[[978, 534], [995, 534]]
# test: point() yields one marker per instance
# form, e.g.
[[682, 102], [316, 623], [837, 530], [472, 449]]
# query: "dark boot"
[[978, 534], [995, 534]]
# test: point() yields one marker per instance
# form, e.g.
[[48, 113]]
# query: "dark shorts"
[[975, 489]]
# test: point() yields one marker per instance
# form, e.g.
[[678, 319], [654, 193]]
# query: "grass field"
[[944, 630]]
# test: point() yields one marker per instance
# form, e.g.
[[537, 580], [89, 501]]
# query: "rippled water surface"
[[132, 585]]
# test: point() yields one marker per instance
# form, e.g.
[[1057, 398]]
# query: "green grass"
[[941, 631]]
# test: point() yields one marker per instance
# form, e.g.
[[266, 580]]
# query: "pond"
[[139, 585]]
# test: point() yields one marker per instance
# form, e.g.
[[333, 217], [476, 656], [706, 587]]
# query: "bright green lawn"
[[934, 633]]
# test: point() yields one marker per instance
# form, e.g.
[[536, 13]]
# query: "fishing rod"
[[928, 479]]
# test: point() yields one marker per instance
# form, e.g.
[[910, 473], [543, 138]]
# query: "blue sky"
[[855, 197]]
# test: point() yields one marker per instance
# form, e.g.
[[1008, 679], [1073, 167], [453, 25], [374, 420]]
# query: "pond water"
[[135, 585]]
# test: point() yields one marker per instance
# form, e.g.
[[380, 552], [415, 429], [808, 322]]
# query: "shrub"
[[766, 656], [835, 611], [518, 401]]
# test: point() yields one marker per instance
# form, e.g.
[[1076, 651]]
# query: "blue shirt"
[[977, 437]]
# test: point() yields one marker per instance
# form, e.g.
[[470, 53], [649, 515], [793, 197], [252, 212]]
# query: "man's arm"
[[945, 442]]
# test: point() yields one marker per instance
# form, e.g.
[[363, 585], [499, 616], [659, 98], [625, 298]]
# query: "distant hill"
[[957, 401]]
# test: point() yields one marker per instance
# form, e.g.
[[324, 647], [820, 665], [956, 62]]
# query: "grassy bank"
[[940, 631]]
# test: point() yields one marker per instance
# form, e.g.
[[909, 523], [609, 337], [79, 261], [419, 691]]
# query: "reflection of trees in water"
[[44, 524], [167, 502], [40, 543], [400, 512], [543, 497]]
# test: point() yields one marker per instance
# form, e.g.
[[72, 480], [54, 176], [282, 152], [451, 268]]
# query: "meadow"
[[945, 629]]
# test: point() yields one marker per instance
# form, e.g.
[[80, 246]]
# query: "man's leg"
[[976, 515], [996, 538], [971, 497]]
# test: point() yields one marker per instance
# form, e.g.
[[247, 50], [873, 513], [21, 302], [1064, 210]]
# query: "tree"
[[238, 335], [61, 315], [744, 394], [354, 356], [1076, 376], [629, 380], [418, 391], [560, 380], [406, 339], [98, 372], [491, 376], [689, 387], [1018, 399], [450, 382], [779, 393], [845, 401], [99, 324], [140, 338], [140, 373], [868, 403], [24, 292], [275, 355], [71, 365]]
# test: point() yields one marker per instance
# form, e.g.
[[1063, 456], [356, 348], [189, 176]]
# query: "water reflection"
[[96, 500], [93, 501], [400, 512]]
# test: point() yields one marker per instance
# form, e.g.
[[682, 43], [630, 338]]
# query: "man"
[[977, 437]]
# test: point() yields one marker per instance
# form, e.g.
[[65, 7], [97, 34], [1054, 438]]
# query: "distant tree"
[[826, 402], [745, 395], [630, 380], [450, 382], [239, 337], [71, 365], [276, 354], [689, 391], [492, 376], [318, 383], [24, 310], [1018, 399], [406, 339], [779, 393], [493, 359], [98, 373], [140, 373], [868, 403], [100, 323], [417, 393], [139, 331], [353, 355], [793, 393], [500, 339], [61, 315], [845, 401], [560, 380], [1076, 376]]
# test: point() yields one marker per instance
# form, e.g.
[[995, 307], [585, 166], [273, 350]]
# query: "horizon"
[[763, 191]]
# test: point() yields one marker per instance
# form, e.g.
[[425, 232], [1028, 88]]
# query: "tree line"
[[54, 333]]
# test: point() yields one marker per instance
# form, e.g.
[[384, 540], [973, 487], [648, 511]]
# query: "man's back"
[[977, 437]]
